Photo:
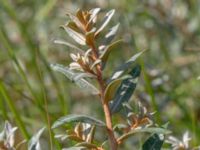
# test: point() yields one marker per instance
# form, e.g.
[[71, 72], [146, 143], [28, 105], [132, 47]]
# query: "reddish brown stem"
[[111, 136]]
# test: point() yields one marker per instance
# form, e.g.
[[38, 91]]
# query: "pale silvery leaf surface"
[[71, 75]]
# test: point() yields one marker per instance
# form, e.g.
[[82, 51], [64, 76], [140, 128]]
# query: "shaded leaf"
[[126, 67], [77, 118], [79, 38], [90, 37], [126, 89], [73, 26], [106, 20], [104, 56], [82, 83], [153, 143], [69, 44], [34, 144]]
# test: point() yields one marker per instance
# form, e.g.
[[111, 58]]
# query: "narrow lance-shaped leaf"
[[154, 142], [76, 21], [77, 118], [125, 91], [93, 13], [106, 20], [69, 44], [34, 144], [126, 67], [90, 136], [111, 34], [82, 83], [78, 37], [87, 145], [75, 148], [143, 130], [79, 15]]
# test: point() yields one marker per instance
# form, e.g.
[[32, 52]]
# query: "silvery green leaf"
[[8, 134], [98, 61], [77, 118], [111, 34], [34, 143], [126, 89], [76, 20], [82, 83], [78, 37], [126, 67], [82, 75], [106, 20], [87, 145], [69, 44], [75, 148], [90, 135], [144, 130], [154, 142], [119, 126], [94, 13]]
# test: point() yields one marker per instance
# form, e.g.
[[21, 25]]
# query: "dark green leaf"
[[77, 118], [106, 52], [82, 83], [106, 20], [126, 67], [33, 144], [112, 87], [126, 89], [153, 143]]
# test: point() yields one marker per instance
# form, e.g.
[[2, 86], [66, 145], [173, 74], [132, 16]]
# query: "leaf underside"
[[80, 82]]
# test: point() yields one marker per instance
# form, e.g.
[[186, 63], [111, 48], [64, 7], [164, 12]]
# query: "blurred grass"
[[169, 30]]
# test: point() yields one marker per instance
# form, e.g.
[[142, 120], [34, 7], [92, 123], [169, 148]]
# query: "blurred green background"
[[168, 29]]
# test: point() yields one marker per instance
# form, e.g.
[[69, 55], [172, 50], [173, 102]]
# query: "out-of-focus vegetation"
[[169, 30]]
